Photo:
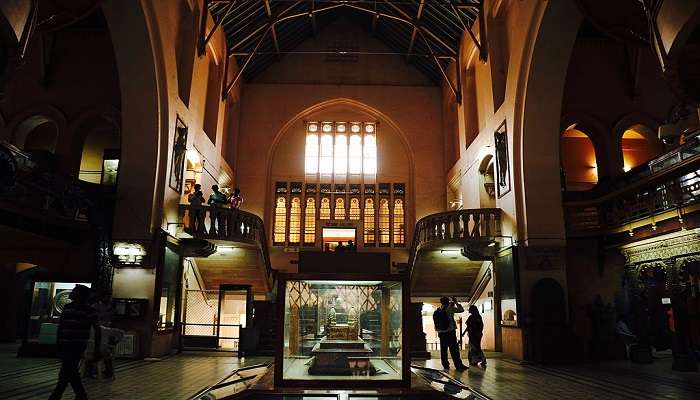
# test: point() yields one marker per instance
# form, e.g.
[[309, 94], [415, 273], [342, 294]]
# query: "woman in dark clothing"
[[475, 331]]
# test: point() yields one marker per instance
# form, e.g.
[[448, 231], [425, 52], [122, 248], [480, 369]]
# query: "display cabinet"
[[341, 330]]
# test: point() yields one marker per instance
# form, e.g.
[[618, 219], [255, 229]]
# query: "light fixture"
[[448, 251], [340, 128], [224, 249], [369, 128], [193, 156], [355, 128], [327, 128], [313, 127], [626, 168]]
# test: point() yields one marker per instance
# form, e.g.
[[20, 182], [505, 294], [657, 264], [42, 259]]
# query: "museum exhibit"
[[349, 199]]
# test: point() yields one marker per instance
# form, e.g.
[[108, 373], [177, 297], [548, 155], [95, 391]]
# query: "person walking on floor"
[[77, 319], [443, 317], [475, 331]]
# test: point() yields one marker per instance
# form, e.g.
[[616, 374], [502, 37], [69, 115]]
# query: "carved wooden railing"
[[460, 225], [220, 223], [671, 184]]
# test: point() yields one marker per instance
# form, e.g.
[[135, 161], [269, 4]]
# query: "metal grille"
[[201, 312]]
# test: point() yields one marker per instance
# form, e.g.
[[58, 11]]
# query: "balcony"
[[34, 196], [666, 187], [222, 225], [449, 248]]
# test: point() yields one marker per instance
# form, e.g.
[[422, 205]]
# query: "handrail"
[[232, 224], [670, 181], [464, 225]]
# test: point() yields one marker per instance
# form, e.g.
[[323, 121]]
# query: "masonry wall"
[[404, 102]]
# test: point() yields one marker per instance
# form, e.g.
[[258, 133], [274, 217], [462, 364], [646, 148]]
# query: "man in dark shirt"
[[77, 318]]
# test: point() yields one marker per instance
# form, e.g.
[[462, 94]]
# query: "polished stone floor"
[[181, 376]]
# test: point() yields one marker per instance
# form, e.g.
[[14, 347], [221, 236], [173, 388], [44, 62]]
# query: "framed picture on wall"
[[500, 138], [177, 164]]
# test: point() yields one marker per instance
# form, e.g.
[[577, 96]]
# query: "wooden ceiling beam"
[[414, 31], [273, 30]]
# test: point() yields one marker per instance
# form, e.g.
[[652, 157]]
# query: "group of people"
[[216, 198], [445, 326], [350, 246], [84, 334]]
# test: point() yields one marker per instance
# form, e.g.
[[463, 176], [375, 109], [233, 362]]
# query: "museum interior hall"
[[350, 199]]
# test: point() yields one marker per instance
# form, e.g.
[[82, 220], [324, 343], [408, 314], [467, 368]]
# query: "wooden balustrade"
[[629, 205], [460, 225]]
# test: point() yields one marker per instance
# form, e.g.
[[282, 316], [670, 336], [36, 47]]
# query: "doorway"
[[332, 236], [213, 319]]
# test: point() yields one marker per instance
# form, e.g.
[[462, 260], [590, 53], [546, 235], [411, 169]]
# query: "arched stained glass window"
[[280, 221], [325, 211], [384, 222], [295, 221], [310, 221], [369, 237], [340, 208], [399, 225], [354, 208]]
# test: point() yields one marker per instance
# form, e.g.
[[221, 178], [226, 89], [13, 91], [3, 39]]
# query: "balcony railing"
[[670, 189], [220, 223], [456, 226]]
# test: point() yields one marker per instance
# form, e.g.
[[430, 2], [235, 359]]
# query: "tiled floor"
[[180, 376], [174, 377], [506, 379]]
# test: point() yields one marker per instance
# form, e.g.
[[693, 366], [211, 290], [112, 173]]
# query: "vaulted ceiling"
[[426, 32]]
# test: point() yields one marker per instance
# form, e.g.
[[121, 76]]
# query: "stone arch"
[[101, 120], [537, 120], [44, 120], [487, 194], [598, 133], [145, 116], [358, 106], [644, 125]]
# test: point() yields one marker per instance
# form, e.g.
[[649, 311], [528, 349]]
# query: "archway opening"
[[636, 149], [487, 188], [99, 162], [578, 160], [37, 133]]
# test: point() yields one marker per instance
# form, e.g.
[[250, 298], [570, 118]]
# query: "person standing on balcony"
[[475, 331], [77, 319], [196, 198], [236, 199], [217, 200], [443, 317]]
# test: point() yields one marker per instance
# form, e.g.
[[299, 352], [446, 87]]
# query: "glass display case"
[[348, 330], [48, 300]]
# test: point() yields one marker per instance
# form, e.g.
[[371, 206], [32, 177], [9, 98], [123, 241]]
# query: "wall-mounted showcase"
[[336, 330]]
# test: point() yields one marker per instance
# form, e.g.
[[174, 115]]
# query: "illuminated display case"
[[342, 330], [48, 300]]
